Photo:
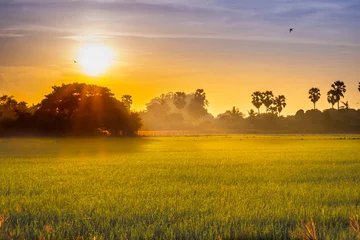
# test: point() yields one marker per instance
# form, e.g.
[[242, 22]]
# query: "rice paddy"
[[190, 187]]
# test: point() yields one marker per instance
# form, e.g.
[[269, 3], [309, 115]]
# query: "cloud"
[[315, 21]]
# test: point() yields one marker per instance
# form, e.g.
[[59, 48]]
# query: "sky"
[[230, 48]]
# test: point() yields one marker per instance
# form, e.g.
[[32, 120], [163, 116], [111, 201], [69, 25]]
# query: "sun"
[[95, 59]]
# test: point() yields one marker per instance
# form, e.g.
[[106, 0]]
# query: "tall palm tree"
[[268, 99], [280, 103], [179, 100], [339, 90], [332, 97], [314, 95], [257, 100]]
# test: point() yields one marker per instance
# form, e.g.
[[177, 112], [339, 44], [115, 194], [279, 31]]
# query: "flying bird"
[[75, 61], [291, 29]]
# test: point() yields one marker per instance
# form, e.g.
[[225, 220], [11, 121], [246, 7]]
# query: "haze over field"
[[229, 48]]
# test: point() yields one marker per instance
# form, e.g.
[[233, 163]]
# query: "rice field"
[[189, 187]]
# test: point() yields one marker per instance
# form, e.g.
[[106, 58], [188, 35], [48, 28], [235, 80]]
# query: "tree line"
[[76, 109], [80, 109]]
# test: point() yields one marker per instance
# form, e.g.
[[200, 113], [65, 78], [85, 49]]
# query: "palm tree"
[[280, 103], [332, 97], [339, 90], [268, 99], [127, 100], [314, 95], [257, 100], [179, 100]]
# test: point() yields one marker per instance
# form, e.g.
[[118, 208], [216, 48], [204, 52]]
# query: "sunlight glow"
[[95, 59]]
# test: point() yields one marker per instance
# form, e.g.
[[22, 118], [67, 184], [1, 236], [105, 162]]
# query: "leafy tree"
[[268, 99], [314, 95], [197, 106], [339, 90], [257, 99], [83, 109], [179, 100], [200, 98], [332, 97], [127, 100], [280, 103]]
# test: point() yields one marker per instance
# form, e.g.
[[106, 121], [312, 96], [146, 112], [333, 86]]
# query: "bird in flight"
[[75, 61], [291, 29]]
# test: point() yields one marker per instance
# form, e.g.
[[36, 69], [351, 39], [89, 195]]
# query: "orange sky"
[[229, 65]]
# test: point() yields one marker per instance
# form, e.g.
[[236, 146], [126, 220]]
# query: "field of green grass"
[[228, 187]]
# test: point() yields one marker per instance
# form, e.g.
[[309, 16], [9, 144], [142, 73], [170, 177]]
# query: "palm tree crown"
[[257, 100], [339, 89], [280, 103], [314, 95]]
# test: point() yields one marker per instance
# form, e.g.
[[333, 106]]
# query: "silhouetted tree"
[[179, 100], [268, 99], [280, 103], [200, 97], [197, 106], [332, 97], [339, 90], [127, 100], [257, 99], [83, 109], [314, 95], [359, 87]]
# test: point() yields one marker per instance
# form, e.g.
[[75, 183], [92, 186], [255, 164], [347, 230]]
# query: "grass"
[[224, 187]]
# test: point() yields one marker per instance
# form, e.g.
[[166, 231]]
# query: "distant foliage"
[[175, 111], [71, 109]]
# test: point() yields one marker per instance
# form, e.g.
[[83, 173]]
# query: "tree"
[[268, 99], [127, 100], [200, 97], [314, 95], [83, 109], [197, 106], [339, 90], [332, 97], [257, 99], [359, 87], [179, 100], [280, 103]]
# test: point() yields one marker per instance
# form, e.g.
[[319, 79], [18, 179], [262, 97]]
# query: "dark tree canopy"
[[71, 109], [179, 100], [268, 99], [257, 99], [338, 89]]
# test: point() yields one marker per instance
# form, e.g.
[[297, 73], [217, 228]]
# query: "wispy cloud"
[[315, 21]]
